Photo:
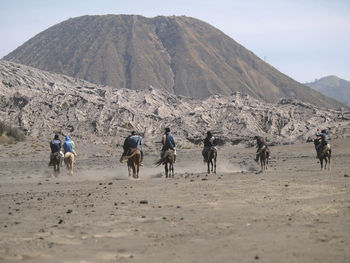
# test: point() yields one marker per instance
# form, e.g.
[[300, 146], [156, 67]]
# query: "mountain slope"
[[183, 55], [333, 87], [43, 103]]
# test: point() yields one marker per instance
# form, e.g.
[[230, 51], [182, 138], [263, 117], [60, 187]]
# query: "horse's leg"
[[267, 163], [329, 163], [72, 166], [137, 164], [166, 170], [134, 169], [214, 160], [129, 169], [172, 165], [321, 162]]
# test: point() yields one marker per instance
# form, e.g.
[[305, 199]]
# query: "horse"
[[168, 159], [134, 162], [55, 161], [211, 159], [323, 153], [69, 159], [264, 156]]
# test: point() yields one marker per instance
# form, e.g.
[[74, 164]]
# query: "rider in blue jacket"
[[323, 135], [68, 146], [133, 141]]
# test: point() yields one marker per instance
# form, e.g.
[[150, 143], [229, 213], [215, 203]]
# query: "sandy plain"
[[292, 213]]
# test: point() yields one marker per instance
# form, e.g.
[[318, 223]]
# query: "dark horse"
[[134, 161], [168, 160], [323, 153], [55, 161], [211, 159], [264, 156]]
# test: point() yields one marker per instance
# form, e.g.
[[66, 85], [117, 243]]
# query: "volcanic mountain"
[[182, 55], [333, 87]]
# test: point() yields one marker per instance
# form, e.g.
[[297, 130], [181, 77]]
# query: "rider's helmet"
[[167, 129]]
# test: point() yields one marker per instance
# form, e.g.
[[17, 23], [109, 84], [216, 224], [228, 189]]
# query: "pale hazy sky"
[[305, 39]]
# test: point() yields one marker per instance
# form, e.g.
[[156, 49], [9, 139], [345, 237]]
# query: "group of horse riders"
[[134, 141], [55, 145]]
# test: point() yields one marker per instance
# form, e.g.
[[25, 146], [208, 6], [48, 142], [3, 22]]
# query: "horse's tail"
[[159, 162], [126, 157], [164, 159]]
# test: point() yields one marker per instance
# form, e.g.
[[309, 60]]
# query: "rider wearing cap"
[[168, 142], [133, 141], [55, 146], [323, 137]]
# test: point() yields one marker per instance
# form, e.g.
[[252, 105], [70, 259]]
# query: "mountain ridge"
[[183, 55], [43, 103]]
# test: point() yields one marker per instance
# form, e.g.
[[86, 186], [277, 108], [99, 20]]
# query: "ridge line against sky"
[[304, 39]]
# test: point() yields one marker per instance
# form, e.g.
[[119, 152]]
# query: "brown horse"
[[168, 159], [264, 156], [134, 162], [55, 161], [211, 159], [69, 159], [323, 153]]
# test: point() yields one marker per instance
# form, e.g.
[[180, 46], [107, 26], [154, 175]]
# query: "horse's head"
[[316, 141]]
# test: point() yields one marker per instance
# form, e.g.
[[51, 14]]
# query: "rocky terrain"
[[182, 55], [334, 87], [42, 103], [292, 213]]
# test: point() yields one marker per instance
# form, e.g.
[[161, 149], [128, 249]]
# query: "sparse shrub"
[[9, 134]]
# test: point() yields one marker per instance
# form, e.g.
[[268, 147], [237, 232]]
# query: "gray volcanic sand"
[[292, 213]]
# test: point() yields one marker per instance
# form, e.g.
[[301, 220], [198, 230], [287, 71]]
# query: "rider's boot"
[[141, 163]]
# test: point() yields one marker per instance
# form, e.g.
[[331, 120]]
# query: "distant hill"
[[182, 55], [333, 87]]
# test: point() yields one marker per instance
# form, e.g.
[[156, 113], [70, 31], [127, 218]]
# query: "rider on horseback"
[[68, 146], [131, 142], [55, 145], [208, 144], [261, 145], [323, 138], [168, 142]]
